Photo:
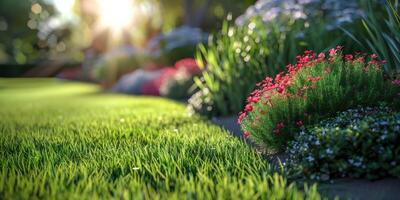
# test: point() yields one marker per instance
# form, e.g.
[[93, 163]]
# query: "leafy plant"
[[315, 87], [382, 37], [358, 143]]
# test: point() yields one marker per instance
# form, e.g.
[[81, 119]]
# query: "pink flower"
[[374, 56], [321, 55]]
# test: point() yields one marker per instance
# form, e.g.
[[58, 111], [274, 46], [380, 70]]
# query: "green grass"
[[66, 140]]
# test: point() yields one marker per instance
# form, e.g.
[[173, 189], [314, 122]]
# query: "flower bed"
[[316, 87]]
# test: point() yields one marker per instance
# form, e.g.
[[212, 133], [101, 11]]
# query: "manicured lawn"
[[63, 140]]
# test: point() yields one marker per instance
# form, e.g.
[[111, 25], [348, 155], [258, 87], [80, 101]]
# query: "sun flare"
[[116, 15]]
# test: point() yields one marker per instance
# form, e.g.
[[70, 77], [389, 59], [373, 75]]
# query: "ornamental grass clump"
[[357, 143], [238, 57], [317, 86]]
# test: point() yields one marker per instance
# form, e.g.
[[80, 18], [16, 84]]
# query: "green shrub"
[[382, 35], [358, 143], [314, 88], [235, 60]]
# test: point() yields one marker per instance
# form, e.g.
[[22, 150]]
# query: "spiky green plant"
[[382, 34], [237, 58]]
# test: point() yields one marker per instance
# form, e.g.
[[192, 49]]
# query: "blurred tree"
[[19, 20]]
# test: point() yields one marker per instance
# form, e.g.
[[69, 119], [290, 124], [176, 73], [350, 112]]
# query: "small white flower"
[[329, 151], [310, 158]]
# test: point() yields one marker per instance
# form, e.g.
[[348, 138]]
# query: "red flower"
[[246, 135], [327, 70], [348, 57], [359, 59], [276, 131], [280, 89], [280, 125], [332, 52], [374, 56], [396, 82], [299, 123], [253, 99], [242, 115], [307, 52], [248, 108], [321, 55], [278, 128]]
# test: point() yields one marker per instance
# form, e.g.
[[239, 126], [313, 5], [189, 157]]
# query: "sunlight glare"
[[116, 15]]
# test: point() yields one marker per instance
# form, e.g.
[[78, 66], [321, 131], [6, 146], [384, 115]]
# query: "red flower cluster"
[[278, 128], [278, 86]]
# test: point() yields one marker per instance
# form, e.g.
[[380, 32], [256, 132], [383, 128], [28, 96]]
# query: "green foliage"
[[239, 56], [312, 89], [358, 143], [69, 141], [382, 35]]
